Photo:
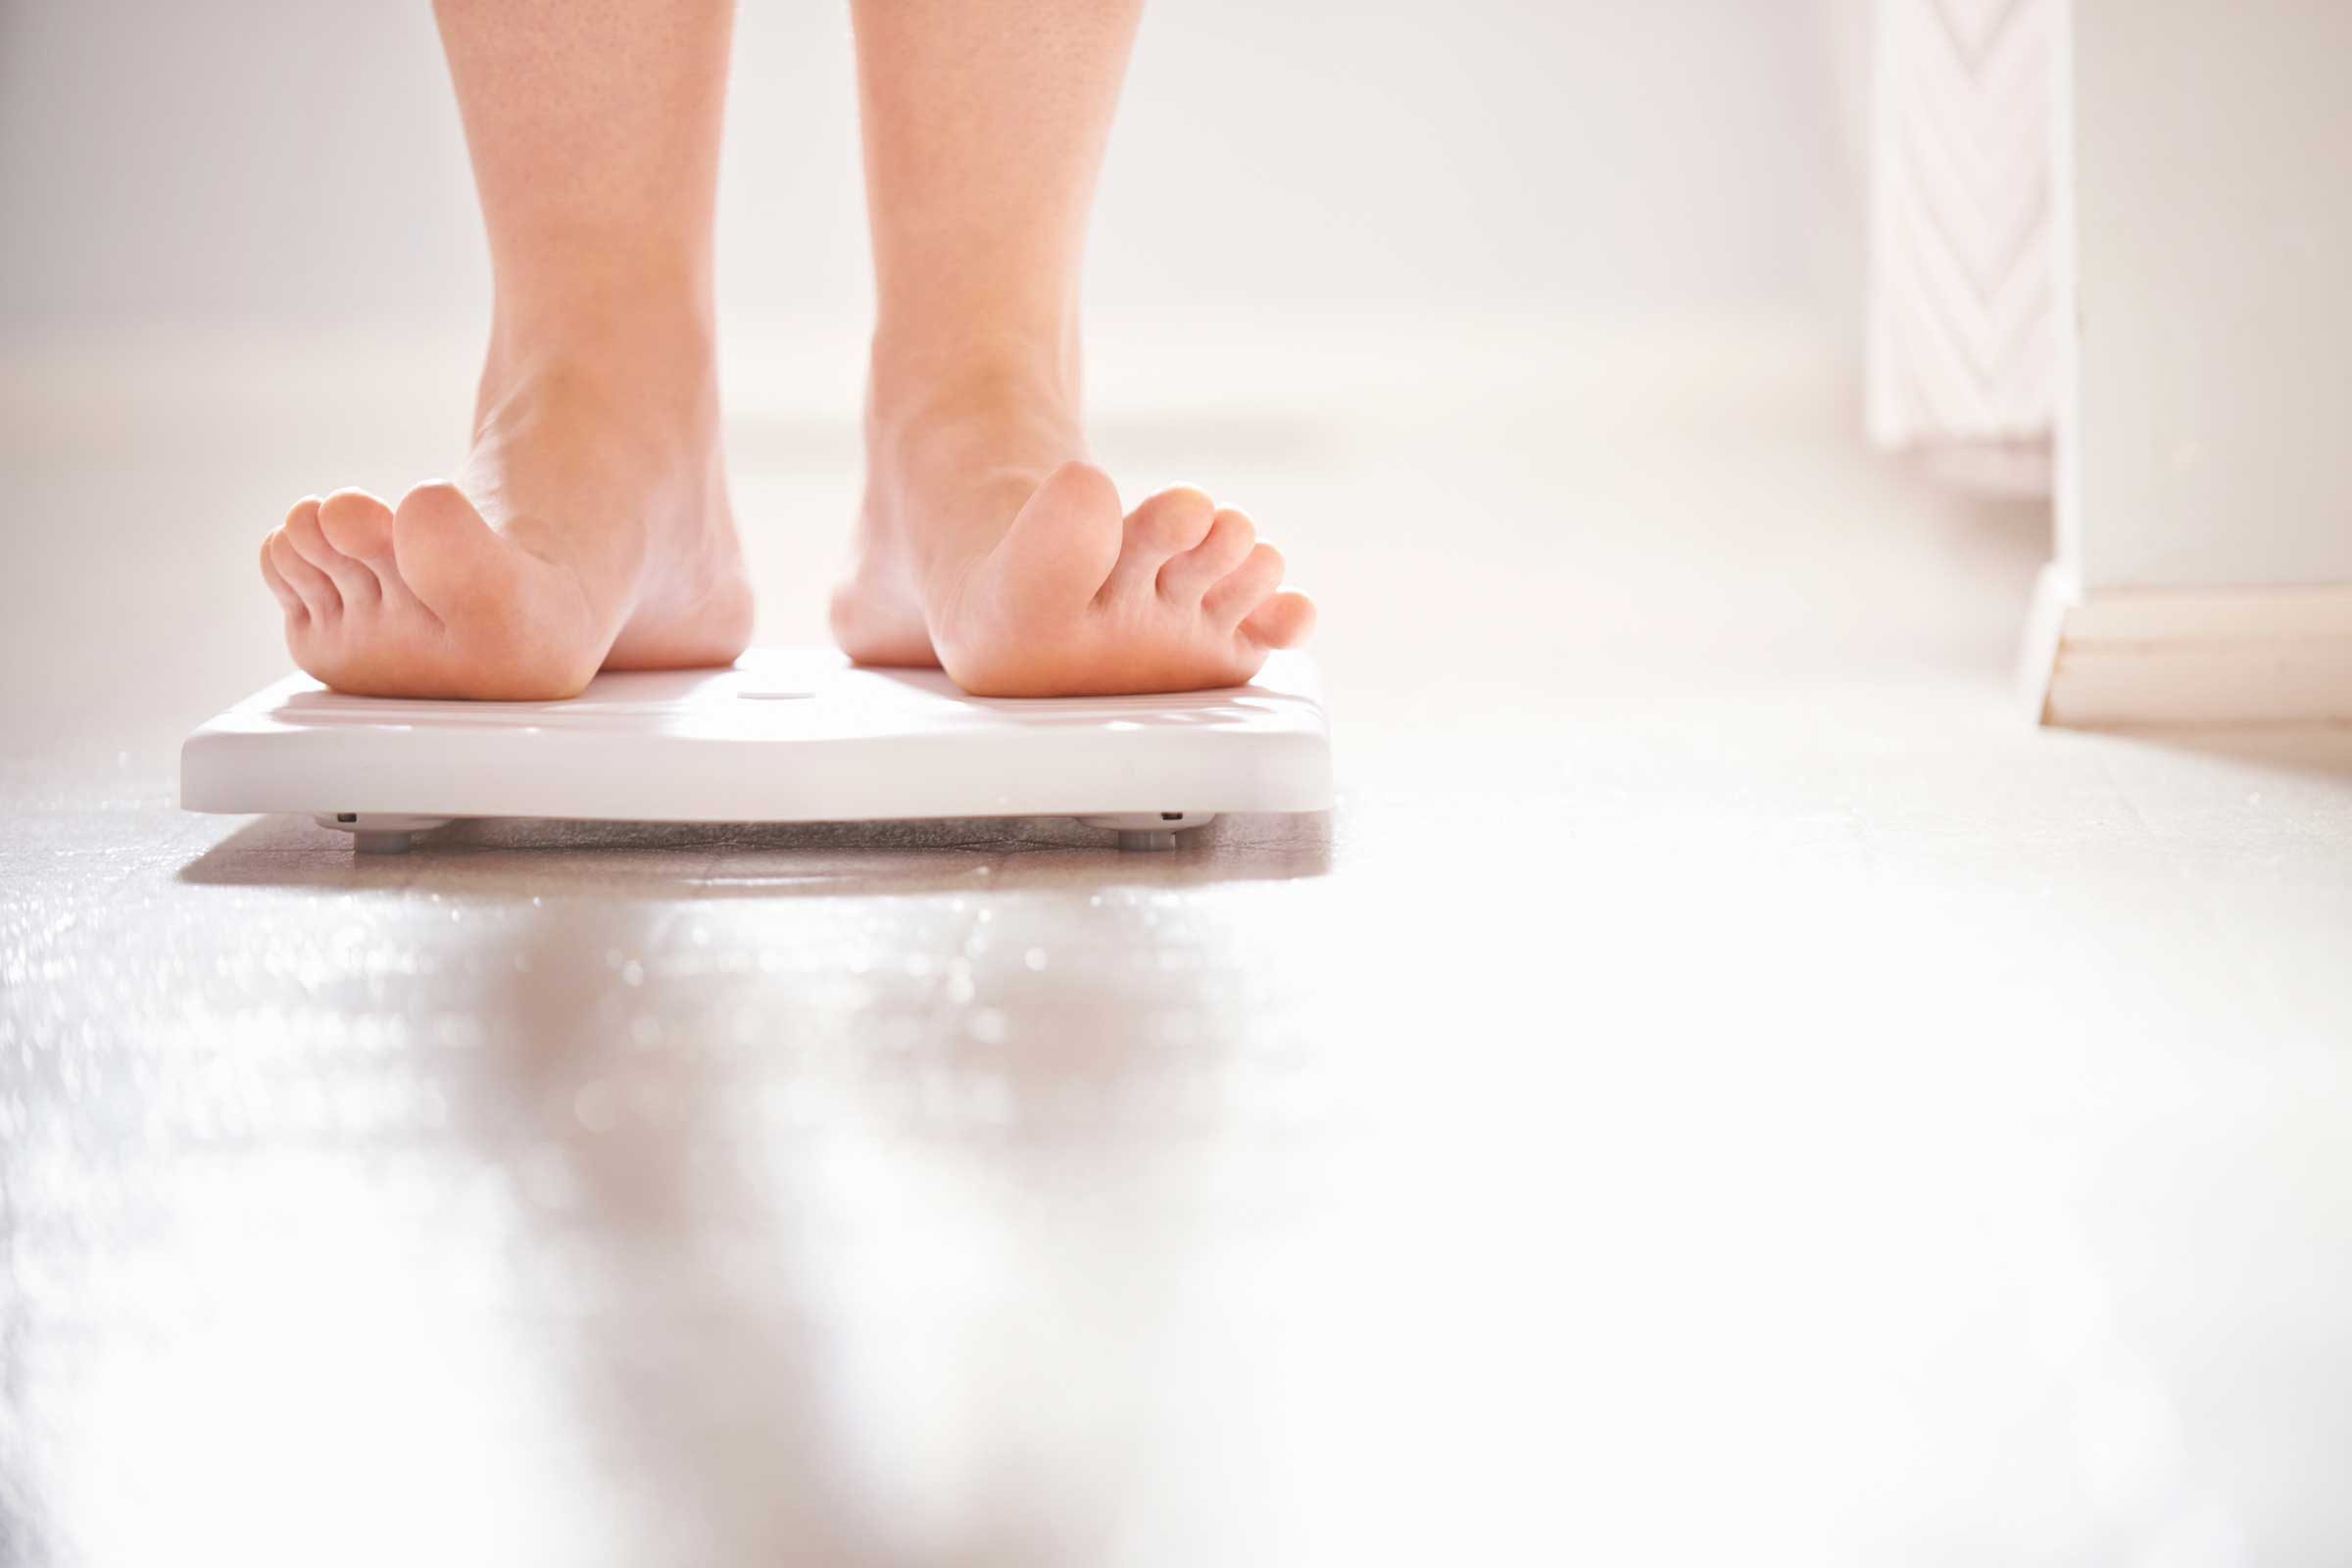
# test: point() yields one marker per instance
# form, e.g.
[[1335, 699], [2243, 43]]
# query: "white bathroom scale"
[[783, 735]]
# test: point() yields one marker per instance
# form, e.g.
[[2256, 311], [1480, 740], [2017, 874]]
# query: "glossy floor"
[[1719, 1087]]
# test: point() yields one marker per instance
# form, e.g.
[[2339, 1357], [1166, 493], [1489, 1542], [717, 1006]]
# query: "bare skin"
[[589, 526], [988, 543]]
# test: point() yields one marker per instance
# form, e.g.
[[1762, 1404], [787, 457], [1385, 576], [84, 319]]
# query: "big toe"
[[1065, 539], [523, 615], [445, 551]]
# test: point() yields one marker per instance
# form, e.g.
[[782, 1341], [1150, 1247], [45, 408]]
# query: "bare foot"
[[989, 547], [588, 529]]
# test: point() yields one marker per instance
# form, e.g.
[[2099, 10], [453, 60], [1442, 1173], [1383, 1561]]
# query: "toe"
[[446, 553], [282, 590], [1167, 524], [360, 525], [1064, 541], [1246, 587], [352, 580], [313, 587], [1283, 620], [529, 615], [1186, 577]]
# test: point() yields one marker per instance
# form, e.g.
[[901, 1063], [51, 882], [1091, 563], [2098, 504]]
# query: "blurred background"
[[296, 169]]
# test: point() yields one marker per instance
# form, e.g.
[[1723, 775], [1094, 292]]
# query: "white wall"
[[2212, 245], [296, 164]]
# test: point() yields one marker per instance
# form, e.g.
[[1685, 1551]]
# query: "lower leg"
[[594, 134], [988, 543], [984, 131], [589, 524]]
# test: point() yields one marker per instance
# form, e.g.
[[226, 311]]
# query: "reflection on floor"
[[1719, 1087]]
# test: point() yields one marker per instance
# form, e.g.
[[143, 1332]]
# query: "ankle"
[[661, 365], [920, 372], [654, 317]]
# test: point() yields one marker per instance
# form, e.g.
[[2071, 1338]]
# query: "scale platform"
[[783, 735]]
